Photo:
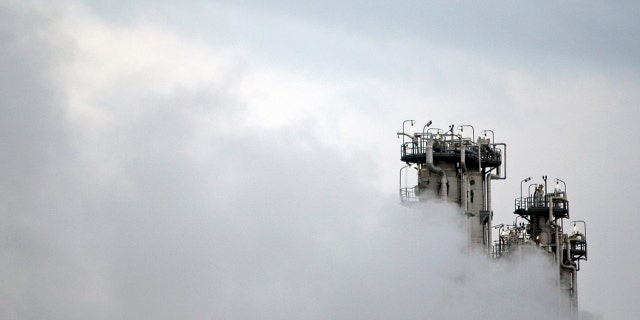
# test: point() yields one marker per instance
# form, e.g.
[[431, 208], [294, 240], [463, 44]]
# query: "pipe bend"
[[429, 161], [434, 169], [504, 159]]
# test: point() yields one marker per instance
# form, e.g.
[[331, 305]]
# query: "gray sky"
[[212, 160]]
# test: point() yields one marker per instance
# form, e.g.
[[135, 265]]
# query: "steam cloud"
[[252, 230]]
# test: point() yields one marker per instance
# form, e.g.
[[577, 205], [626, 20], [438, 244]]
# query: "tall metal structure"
[[542, 224], [458, 167]]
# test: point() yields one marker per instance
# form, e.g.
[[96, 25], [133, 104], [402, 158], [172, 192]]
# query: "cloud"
[[151, 170]]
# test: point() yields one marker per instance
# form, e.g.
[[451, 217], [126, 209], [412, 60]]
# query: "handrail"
[[408, 195], [526, 203]]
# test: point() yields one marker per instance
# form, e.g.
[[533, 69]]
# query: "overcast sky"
[[209, 160]]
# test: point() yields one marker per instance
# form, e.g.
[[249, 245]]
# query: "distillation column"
[[455, 168]]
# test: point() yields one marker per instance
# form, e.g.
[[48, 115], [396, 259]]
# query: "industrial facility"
[[456, 166]]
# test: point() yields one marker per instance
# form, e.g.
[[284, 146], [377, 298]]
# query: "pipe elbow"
[[437, 170], [463, 164]]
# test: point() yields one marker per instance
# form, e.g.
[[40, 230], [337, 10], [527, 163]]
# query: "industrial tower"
[[542, 224], [456, 167]]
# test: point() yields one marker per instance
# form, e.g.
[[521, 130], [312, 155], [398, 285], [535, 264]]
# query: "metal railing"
[[408, 195], [508, 237], [535, 202], [489, 152]]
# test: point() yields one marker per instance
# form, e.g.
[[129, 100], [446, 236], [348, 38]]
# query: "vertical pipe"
[[438, 170], [574, 283], [488, 179], [463, 178]]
